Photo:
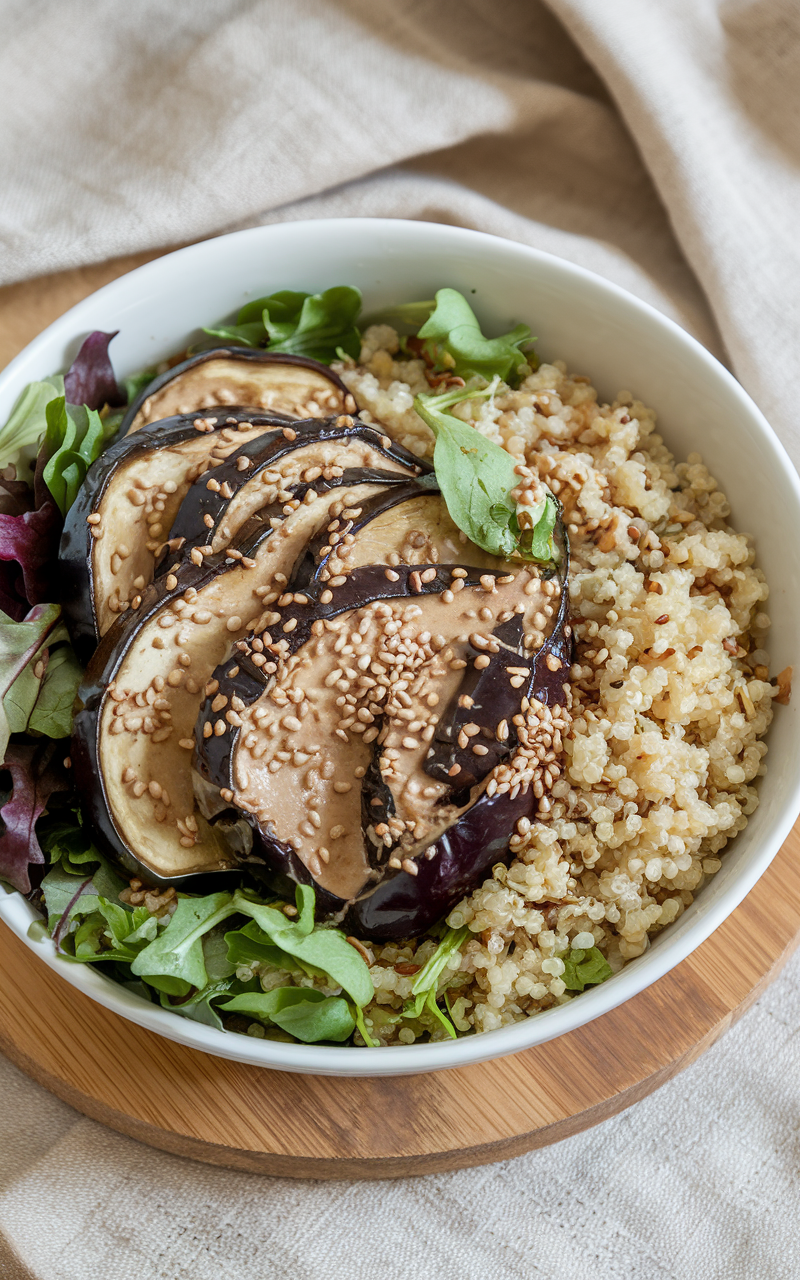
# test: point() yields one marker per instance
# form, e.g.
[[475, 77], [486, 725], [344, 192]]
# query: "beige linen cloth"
[[654, 141]]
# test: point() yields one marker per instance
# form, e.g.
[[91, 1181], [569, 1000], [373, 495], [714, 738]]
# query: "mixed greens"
[[222, 958]]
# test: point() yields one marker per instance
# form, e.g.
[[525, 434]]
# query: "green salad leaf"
[[304, 1012], [22, 434], [136, 383], [425, 986], [476, 477], [583, 968], [316, 325], [41, 698], [74, 438], [453, 340], [19, 643], [178, 951]]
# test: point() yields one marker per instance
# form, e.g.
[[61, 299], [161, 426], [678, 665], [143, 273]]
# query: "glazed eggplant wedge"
[[262, 380], [390, 725], [286, 468], [117, 527], [150, 498], [143, 690]]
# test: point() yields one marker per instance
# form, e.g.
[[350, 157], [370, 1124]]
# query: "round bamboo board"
[[243, 1117], [224, 1113]]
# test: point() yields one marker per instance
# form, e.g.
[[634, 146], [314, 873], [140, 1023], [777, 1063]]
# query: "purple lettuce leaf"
[[36, 773], [28, 551], [91, 379]]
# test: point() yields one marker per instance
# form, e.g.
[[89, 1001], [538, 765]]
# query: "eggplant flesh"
[[117, 527], [226, 376]]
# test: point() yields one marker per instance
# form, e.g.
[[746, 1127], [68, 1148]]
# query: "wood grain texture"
[[248, 1118], [185, 1102]]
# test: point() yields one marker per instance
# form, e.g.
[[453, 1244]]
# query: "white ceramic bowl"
[[599, 330]]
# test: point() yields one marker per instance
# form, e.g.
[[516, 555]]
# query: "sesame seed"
[[233, 623]]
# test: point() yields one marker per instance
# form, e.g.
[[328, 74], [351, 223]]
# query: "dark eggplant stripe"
[[246, 355], [75, 550], [265, 452], [312, 563]]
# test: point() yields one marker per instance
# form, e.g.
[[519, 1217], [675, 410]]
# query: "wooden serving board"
[[188, 1103]]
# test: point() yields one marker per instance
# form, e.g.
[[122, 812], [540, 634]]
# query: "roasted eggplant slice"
[[332, 751], [116, 529], [289, 465], [145, 684], [225, 376]]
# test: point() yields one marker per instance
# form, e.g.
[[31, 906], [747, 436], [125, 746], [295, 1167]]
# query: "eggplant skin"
[[246, 355], [402, 906]]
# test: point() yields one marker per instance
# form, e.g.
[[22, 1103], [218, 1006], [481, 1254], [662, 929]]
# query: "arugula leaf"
[[75, 437], [476, 478], [313, 325], [304, 1012], [584, 968], [90, 380], [24, 430], [137, 382], [199, 1006], [327, 949], [453, 340], [178, 951], [427, 980]]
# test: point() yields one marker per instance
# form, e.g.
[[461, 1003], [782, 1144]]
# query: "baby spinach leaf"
[[476, 477], [313, 325], [584, 968], [19, 643], [52, 714], [251, 944], [453, 340], [404, 316], [330, 1019]]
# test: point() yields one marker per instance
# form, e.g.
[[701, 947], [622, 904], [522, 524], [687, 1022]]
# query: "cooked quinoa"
[[671, 697]]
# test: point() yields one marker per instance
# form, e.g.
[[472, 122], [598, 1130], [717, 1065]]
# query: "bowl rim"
[[638, 974]]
